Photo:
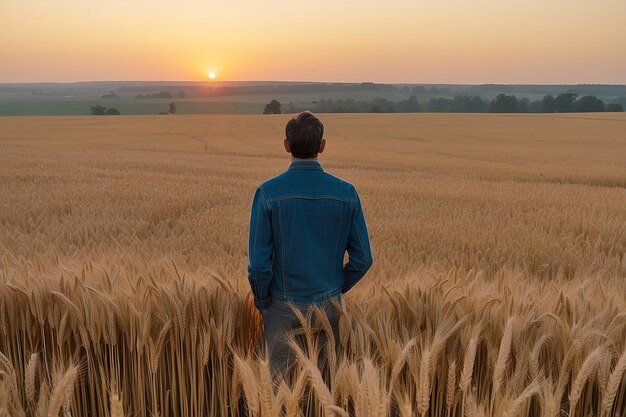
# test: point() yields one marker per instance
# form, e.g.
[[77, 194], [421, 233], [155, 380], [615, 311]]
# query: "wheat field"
[[498, 285]]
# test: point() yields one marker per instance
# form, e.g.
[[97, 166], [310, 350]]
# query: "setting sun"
[[211, 75]]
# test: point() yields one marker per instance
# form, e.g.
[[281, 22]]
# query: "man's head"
[[304, 136]]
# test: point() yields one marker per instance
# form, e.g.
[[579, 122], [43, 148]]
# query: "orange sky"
[[421, 41]]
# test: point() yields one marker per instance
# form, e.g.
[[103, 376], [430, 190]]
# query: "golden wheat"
[[497, 289]]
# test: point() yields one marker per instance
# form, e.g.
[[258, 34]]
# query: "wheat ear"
[[533, 389], [587, 368], [503, 356], [423, 396], [30, 375], [250, 385], [61, 388], [451, 386], [468, 365], [614, 382]]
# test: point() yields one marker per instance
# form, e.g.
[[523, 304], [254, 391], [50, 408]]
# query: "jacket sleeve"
[[359, 251], [260, 250]]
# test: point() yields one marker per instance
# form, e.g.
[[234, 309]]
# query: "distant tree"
[[522, 105], [476, 105], [375, 109], [548, 104], [589, 104], [322, 106], [291, 108], [383, 103], [339, 106], [172, 108], [273, 107], [98, 110], [418, 89], [439, 105], [565, 102], [457, 104], [614, 107], [504, 103], [535, 106], [411, 105], [465, 104], [112, 111]]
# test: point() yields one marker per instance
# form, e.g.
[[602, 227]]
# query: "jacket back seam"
[[310, 197]]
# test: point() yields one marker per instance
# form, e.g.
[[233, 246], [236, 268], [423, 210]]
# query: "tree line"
[[99, 110], [502, 103]]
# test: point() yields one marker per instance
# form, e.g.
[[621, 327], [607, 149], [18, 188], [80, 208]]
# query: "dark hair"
[[304, 134]]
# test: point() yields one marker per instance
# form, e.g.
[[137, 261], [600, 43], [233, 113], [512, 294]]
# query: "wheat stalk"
[[117, 407]]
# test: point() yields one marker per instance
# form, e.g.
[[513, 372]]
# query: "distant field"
[[498, 285], [417, 172], [251, 97], [64, 107], [128, 105]]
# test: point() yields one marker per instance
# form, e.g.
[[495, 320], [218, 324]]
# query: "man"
[[302, 223]]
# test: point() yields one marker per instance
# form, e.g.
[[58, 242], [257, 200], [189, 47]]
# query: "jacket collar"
[[306, 165]]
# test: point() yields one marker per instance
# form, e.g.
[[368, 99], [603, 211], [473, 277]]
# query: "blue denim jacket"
[[301, 225]]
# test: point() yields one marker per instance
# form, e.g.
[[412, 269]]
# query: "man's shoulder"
[[276, 180], [285, 182], [340, 181]]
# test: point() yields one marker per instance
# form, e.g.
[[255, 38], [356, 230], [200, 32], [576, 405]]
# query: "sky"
[[392, 41]]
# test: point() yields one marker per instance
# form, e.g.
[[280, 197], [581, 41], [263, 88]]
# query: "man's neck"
[[294, 159]]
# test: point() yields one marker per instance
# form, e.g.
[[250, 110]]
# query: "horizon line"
[[308, 82]]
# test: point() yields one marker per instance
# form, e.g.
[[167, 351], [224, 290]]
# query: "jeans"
[[280, 321]]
